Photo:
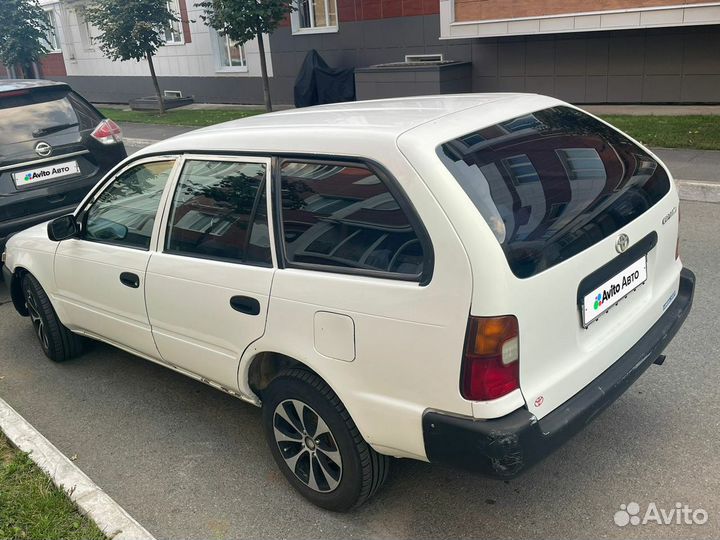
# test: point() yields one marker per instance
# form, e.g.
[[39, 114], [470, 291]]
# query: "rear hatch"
[[587, 222], [47, 155]]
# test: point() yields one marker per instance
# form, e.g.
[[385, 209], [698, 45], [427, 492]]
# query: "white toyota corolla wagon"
[[462, 279]]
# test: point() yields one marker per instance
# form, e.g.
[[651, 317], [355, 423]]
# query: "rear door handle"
[[245, 304], [130, 280]]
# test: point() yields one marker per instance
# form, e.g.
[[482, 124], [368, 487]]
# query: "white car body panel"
[[407, 338], [92, 299], [564, 357]]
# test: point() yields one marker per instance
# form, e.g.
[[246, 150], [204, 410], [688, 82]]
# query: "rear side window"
[[553, 183], [343, 216], [220, 212], [27, 115]]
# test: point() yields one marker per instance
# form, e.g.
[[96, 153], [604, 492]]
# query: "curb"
[[139, 142], [109, 516], [698, 191]]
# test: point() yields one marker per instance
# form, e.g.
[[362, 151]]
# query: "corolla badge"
[[43, 149], [622, 243]]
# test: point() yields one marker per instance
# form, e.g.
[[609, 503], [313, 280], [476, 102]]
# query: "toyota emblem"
[[43, 149], [622, 243]]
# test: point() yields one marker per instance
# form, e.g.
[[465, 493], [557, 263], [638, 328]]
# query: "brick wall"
[[483, 10], [366, 10], [52, 65]]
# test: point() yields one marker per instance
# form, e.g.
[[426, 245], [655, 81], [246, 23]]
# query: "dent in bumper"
[[505, 447]]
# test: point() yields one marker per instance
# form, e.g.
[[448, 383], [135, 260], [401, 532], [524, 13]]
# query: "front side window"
[[173, 33], [230, 54], [553, 183], [219, 211], [124, 214], [316, 14], [343, 216]]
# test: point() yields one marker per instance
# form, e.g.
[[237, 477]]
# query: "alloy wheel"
[[36, 319], [307, 445]]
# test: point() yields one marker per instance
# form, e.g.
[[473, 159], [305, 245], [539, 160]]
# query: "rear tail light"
[[107, 132], [491, 360]]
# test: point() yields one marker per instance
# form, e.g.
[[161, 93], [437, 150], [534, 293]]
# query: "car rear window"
[[31, 114], [553, 183]]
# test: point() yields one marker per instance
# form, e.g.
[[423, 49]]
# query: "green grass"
[[180, 117], [32, 507], [699, 132]]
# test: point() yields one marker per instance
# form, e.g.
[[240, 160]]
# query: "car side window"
[[125, 212], [344, 216], [219, 211]]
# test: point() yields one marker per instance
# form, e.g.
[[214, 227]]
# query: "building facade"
[[607, 51]]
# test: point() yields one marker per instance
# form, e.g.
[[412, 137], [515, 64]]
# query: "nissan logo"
[[43, 149], [622, 243]]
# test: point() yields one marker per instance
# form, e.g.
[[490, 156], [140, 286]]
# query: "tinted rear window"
[[25, 115], [553, 183]]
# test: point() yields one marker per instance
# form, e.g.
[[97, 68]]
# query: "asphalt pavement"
[[190, 462]]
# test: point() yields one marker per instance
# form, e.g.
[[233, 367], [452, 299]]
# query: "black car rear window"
[[31, 114], [553, 183]]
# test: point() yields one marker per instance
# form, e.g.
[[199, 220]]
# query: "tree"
[[243, 20], [23, 34], [132, 30]]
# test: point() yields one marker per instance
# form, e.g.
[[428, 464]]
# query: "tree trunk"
[[263, 70], [159, 95]]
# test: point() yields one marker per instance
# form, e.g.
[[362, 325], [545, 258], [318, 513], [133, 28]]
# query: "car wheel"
[[58, 343], [317, 445]]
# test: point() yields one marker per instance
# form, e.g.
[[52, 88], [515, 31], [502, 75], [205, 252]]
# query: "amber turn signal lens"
[[491, 366]]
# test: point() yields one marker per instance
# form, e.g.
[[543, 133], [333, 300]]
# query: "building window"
[[231, 56], [521, 169], [88, 32], [173, 33], [315, 16], [51, 37], [582, 164]]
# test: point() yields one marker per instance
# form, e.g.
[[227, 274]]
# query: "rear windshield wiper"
[[53, 129]]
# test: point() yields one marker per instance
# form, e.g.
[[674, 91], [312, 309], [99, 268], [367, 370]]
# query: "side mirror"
[[63, 228]]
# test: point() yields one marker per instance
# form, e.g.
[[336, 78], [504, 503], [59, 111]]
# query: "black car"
[[54, 146]]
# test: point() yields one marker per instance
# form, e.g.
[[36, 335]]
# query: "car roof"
[[331, 129], [8, 85]]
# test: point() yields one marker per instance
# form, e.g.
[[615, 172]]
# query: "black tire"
[[57, 342], [363, 471]]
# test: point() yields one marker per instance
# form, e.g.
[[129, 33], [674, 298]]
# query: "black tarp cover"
[[318, 83]]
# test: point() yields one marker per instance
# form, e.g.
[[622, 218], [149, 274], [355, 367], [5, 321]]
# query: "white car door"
[[100, 275], [208, 285]]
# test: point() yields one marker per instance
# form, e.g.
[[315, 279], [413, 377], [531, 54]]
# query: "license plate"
[[613, 290], [51, 172]]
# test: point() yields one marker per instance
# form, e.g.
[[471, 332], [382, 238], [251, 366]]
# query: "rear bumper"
[[507, 446]]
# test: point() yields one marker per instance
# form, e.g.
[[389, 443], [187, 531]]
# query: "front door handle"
[[245, 304], [130, 280]]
